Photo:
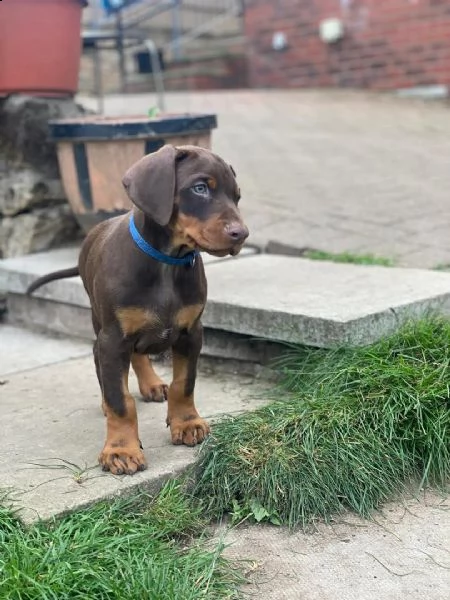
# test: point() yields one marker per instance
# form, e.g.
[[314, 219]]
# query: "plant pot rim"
[[97, 127]]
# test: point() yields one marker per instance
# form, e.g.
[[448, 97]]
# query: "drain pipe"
[[158, 78]]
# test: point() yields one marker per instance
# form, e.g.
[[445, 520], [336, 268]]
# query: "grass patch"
[[348, 429], [442, 267], [125, 549], [348, 257]]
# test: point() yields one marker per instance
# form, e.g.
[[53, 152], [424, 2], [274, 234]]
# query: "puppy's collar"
[[187, 259]]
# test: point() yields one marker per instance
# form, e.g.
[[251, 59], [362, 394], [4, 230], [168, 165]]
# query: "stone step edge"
[[234, 351], [281, 324]]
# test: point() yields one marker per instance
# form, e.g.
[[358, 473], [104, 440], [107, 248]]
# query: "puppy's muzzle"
[[237, 233]]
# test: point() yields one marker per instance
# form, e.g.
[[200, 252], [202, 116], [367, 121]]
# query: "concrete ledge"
[[320, 303], [16, 274], [232, 352], [50, 315], [275, 298]]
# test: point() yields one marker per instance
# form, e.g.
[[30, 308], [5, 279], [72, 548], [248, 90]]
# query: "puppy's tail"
[[63, 274]]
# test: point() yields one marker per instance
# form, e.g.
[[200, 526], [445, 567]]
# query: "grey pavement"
[[22, 349], [51, 413], [330, 170], [402, 553]]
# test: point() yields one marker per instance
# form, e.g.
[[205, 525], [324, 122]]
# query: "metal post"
[[120, 49], [98, 78], [176, 29], [157, 74]]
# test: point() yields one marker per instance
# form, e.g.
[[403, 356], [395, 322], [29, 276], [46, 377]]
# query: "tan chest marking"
[[133, 319], [188, 315]]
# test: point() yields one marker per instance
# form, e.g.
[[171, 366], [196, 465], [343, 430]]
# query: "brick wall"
[[388, 44]]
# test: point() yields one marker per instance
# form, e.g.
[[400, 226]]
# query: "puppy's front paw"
[[120, 458], [188, 429]]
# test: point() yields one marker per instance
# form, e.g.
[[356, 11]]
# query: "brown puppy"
[[185, 201]]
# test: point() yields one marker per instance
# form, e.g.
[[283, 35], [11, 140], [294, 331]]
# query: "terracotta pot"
[[40, 46], [95, 152]]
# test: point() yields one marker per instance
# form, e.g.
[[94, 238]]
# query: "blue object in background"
[[113, 6]]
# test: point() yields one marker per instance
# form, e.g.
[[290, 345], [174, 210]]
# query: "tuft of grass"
[[124, 549], [348, 257], [442, 267], [348, 429]]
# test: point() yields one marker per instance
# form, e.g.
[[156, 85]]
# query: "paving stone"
[[359, 155]]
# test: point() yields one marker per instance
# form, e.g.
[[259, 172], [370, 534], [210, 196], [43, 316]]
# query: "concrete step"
[[274, 299], [51, 417], [63, 307]]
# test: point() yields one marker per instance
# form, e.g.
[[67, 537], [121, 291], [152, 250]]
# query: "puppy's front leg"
[[186, 426], [122, 452]]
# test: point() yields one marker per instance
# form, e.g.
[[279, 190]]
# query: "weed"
[[348, 257]]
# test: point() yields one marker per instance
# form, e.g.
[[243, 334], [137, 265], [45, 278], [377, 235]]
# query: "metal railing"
[[186, 21], [208, 17]]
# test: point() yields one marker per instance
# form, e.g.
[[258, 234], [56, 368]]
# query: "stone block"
[[34, 214]]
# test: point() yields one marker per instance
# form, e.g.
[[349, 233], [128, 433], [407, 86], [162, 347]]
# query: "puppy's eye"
[[200, 188]]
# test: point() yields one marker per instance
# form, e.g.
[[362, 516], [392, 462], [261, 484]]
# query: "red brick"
[[388, 43]]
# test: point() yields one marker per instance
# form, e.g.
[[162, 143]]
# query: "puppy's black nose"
[[237, 232]]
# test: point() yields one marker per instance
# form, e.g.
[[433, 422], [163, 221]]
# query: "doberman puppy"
[[147, 288]]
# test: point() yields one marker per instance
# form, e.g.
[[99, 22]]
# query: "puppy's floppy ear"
[[150, 184]]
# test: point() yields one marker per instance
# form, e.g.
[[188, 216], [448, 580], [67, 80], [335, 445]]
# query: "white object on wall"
[[279, 41], [331, 30]]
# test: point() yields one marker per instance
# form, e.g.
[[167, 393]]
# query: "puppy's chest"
[[157, 328]]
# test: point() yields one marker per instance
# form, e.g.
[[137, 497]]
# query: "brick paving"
[[335, 171]]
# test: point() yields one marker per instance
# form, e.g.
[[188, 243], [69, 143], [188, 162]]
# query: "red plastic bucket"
[[40, 46]]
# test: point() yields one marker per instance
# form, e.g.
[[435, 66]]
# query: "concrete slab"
[[402, 553], [319, 303], [17, 273], [287, 299], [52, 414], [42, 263], [21, 349]]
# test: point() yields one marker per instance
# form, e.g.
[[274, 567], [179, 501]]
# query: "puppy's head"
[[195, 193]]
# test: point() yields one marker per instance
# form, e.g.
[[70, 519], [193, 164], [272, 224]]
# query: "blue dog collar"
[[187, 259]]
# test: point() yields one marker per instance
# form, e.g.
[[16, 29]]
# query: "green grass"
[[127, 549], [348, 257], [442, 267], [348, 429]]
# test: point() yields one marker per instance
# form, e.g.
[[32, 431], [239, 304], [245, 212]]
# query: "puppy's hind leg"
[[151, 386]]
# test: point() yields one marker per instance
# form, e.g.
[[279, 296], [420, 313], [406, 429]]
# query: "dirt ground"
[[404, 552]]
